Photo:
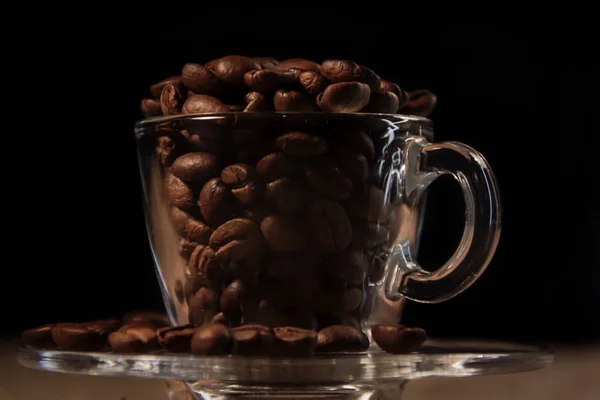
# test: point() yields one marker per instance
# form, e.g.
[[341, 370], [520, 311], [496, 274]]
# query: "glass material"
[[338, 219]]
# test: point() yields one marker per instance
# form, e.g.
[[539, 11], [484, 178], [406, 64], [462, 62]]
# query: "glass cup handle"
[[423, 163]]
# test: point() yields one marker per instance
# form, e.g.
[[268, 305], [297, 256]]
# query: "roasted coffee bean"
[[244, 136], [195, 167], [288, 195], [294, 342], [341, 338], [175, 339], [369, 205], [204, 104], [358, 139], [290, 100], [134, 338], [297, 270], [338, 301], [39, 337], [420, 102], [189, 228], [301, 144], [172, 98], [253, 152], [283, 233], [199, 79], [271, 314], [269, 80], [203, 261], [367, 235], [347, 268], [158, 87], [312, 82], [344, 97], [256, 215], [330, 227], [382, 102], [277, 165], [211, 339], [231, 69], [252, 340], [265, 62], [202, 143], [257, 102], [232, 298], [88, 336], [178, 290], [220, 318], [203, 306], [242, 181], [236, 240], [298, 63], [349, 71], [194, 283], [217, 203], [353, 163], [179, 194], [169, 148], [392, 87], [151, 108], [327, 180], [157, 319], [398, 339]]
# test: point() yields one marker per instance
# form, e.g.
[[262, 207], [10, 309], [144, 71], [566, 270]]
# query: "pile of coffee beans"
[[147, 332]]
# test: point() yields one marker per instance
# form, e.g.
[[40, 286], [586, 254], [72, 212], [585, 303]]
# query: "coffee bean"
[[151, 108], [179, 292], [298, 270], [172, 98], [341, 338], [420, 102], [153, 318], [217, 203], [294, 342], [269, 80], [203, 306], [367, 235], [211, 339], [290, 100], [344, 97], [301, 144], [253, 152], [195, 167], [231, 69], [197, 231], [176, 339], [277, 165], [199, 79], [39, 337], [283, 233], [312, 82], [134, 338], [359, 140], [353, 163], [252, 340], [157, 88], [169, 148], [369, 205], [179, 219], [194, 283], [330, 228], [204, 104], [232, 298], [398, 339], [257, 102], [256, 215], [392, 87], [298, 63], [265, 62], [81, 336], [220, 318], [338, 301], [242, 181], [288, 195], [203, 261], [382, 102], [347, 268], [236, 240], [327, 180], [178, 193], [349, 71]]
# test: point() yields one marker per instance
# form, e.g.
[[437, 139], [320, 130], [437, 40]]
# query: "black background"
[[524, 97]]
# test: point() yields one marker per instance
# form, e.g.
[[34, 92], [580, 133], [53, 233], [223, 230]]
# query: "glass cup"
[[304, 219]]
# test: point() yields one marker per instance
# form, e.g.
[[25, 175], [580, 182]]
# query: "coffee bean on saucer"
[[217, 203], [172, 98], [349, 71], [87, 336], [242, 179], [298, 63], [211, 339], [288, 195], [292, 101], [231, 69], [327, 179], [265, 62], [257, 102], [301, 144], [329, 226], [269, 80], [175, 339], [382, 102], [157, 319], [294, 342], [203, 306], [199, 79], [157, 88], [312, 82], [178, 193], [398, 339], [151, 108], [203, 104], [39, 337], [420, 102], [195, 167], [134, 338], [392, 87], [341, 338], [252, 340], [283, 233], [344, 97]]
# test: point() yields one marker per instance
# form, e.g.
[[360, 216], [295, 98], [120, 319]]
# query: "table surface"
[[575, 375]]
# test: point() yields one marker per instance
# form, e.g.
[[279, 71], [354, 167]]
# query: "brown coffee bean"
[[283, 233], [256, 215], [420, 102], [39, 337], [203, 143], [211, 339], [301, 144], [157, 88], [353, 163], [257, 102], [330, 227], [179, 292], [151, 108], [265, 62], [349, 71], [338, 301], [298, 63], [359, 140], [288, 195], [195, 167], [298, 270], [347, 268], [190, 229], [344, 97], [197, 231], [175, 339], [179, 194], [269, 80], [203, 306], [172, 98], [220, 318], [232, 298], [199, 79], [253, 152], [341, 338], [312, 82], [203, 261], [157, 319], [392, 87], [369, 205], [382, 102], [231, 69], [217, 203], [398, 339], [290, 100], [252, 340], [134, 338], [79, 336], [236, 240], [242, 181], [367, 235], [169, 148], [327, 180], [294, 342], [277, 165], [204, 104], [194, 283]]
